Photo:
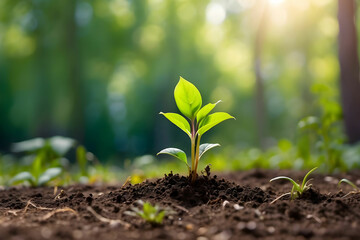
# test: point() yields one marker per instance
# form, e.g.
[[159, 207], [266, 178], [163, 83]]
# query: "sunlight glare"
[[276, 2], [215, 13]]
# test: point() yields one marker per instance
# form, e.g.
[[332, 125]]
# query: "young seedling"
[[356, 189], [297, 189], [37, 176], [151, 214], [188, 100]]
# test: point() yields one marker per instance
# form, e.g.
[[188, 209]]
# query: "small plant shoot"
[[297, 189], [353, 185], [151, 214], [197, 122]]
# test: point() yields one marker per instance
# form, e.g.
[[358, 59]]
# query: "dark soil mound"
[[210, 208]]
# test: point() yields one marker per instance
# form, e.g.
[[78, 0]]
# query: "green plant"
[[46, 157], [297, 189], [350, 183], [36, 176], [188, 100], [151, 214]]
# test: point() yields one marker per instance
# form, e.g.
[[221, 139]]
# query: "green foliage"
[[297, 189], [188, 100], [47, 159], [151, 214], [82, 160]]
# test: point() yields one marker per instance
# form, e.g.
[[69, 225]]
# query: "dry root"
[[107, 220], [278, 198]]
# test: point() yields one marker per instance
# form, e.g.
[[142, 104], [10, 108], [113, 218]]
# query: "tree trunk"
[[75, 84], [261, 116], [349, 69]]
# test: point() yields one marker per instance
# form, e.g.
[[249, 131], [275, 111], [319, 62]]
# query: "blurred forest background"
[[100, 71]]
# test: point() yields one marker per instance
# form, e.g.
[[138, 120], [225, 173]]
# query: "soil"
[[228, 206]]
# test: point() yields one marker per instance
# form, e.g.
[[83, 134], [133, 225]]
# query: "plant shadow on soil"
[[210, 208]]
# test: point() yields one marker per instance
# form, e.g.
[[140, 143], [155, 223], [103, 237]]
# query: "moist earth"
[[237, 205]]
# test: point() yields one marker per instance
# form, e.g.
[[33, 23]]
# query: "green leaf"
[[49, 175], [310, 122], [29, 145], [179, 121], [159, 217], [22, 177], [348, 182], [148, 208], [205, 147], [61, 145], [81, 159], [205, 110], [306, 176], [175, 152], [213, 120], [187, 98], [295, 185]]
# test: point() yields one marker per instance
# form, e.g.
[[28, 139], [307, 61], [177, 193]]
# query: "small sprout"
[[350, 183], [151, 214], [45, 177], [297, 189], [356, 189], [197, 122]]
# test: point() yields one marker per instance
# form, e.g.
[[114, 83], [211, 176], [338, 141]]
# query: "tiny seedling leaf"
[[205, 110], [179, 121], [205, 147], [49, 175], [22, 177], [295, 185], [306, 176], [160, 217], [187, 98], [175, 152], [348, 182], [213, 120]]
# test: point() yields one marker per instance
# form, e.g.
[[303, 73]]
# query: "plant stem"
[[192, 151], [197, 154]]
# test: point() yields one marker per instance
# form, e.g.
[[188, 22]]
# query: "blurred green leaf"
[[49, 175]]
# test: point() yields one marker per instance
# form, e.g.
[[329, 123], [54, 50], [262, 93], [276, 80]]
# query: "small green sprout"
[[356, 189], [350, 183], [37, 176], [297, 189], [188, 100], [151, 214]]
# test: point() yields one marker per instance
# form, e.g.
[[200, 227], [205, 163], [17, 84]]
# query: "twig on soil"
[[127, 181], [181, 208], [29, 203], [107, 220], [214, 201], [55, 190], [314, 217], [60, 195], [66, 209], [349, 193], [278, 198], [14, 212]]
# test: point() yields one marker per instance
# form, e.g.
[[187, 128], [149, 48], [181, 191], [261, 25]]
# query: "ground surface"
[[213, 208]]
